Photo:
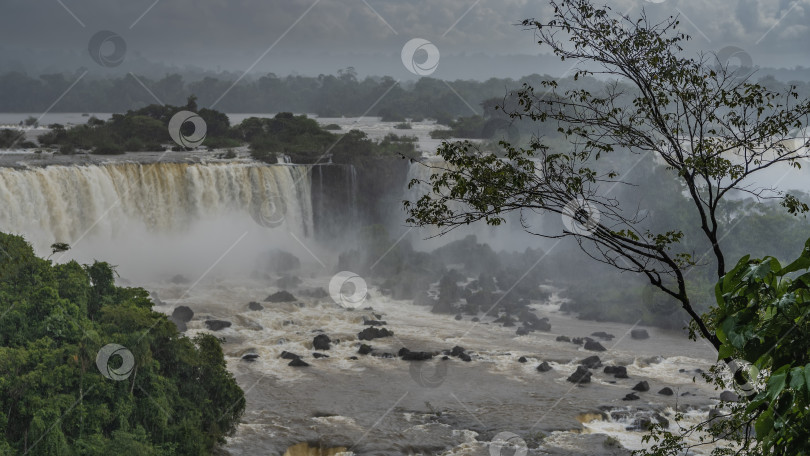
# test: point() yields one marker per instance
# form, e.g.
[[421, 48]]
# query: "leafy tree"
[[178, 399], [709, 124]]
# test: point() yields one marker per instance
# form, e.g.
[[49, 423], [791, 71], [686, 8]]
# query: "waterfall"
[[66, 203]]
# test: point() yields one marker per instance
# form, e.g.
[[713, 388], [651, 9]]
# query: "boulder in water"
[[317, 355], [563, 339], [593, 345], [666, 391], [280, 296], [578, 340], [591, 362], [298, 362], [580, 376], [521, 332], [416, 356], [253, 305], [639, 334], [183, 314], [532, 321], [729, 396], [374, 333], [459, 317], [603, 335], [616, 371], [364, 349], [465, 357], [544, 367], [631, 397], [250, 357], [216, 325], [288, 355], [368, 322], [179, 279], [642, 386], [522, 359], [457, 351], [321, 342]]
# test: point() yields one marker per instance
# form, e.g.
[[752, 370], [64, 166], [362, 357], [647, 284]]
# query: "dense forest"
[[175, 398], [337, 95]]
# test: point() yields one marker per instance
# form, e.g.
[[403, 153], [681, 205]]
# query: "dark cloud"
[[233, 34]]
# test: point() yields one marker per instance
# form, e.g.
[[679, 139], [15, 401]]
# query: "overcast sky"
[[321, 36]]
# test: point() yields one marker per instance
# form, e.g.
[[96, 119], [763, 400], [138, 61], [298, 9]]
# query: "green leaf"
[[797, 380], [764, 424], [807, 376], [776, 384]]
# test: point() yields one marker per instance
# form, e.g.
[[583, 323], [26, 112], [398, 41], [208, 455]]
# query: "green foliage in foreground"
[[761, 321], [178, 400]]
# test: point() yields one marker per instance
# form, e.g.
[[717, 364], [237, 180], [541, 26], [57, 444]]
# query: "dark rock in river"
[[364, 349], [288, 355], [475, 319], [216, 325], [729, 396], [639, 334], [374, 333], [179, 279], [616, 371], [280, 296], [563, 339], [298, 362], [465, 357], [591, 362], [603, 335], [666, 391], [580, 376], [416, 356], [522, 359], [459, 317], [532, 321], [578, 340], [317, 355], [321, 342], [631, 397], [457, 351], [642, 386], [183, 314], [593, 345], [368, 322], [522, 332], [544, 367], [253, 305], [249, 357]]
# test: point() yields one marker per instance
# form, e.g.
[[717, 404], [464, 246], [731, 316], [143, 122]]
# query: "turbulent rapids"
[[66, 203], [223, 239]]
